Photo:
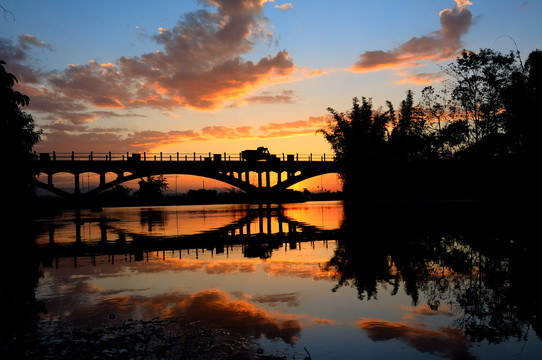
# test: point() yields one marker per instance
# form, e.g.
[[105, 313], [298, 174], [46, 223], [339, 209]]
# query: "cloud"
[[290, 299], [438, 45], [420, 78], [267, 97], [18, 55], [199, 65], [61, 135], [285, 6], [445, 343], [26, 41]]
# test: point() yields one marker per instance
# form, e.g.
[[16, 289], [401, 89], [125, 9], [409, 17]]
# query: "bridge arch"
[[235, 173]]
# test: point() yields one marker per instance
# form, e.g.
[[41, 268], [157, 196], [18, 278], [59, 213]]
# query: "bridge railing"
[[160, 156]]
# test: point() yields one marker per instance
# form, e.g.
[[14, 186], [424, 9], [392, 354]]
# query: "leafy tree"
[[18, 134], [470, 132], [478, 82], [409, 137], [358, 138], [521, 97], [118, 192], [153, 188]]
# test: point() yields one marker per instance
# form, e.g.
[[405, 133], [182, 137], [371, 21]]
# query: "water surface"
[[308, 275]]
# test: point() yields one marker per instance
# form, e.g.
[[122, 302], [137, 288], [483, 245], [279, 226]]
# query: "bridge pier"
[[77, 189]]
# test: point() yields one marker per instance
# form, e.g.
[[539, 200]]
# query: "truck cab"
[[261, 153]]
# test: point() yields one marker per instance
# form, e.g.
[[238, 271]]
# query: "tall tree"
[[18, 136], [358, 138], [478, 81], [409, 138]]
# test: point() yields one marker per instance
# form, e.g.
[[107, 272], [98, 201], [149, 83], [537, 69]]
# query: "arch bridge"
[[289, 169]]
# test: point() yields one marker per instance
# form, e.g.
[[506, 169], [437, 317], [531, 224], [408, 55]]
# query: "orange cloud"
[[63, 136], [445, 343], [200, 67], [217, 308], [311, 269], [439, 45], [421, 78], [285, 6]]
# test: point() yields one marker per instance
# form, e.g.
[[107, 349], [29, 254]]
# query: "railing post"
[[296, 156], [194, 156], [91, 156], [110, 156], [73, 156], [144, 156], [127, 155], [54, 156], [160, 156], [324, 156], [177, 156]]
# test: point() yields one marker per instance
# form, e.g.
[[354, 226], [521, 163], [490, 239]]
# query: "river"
[[301, 278]]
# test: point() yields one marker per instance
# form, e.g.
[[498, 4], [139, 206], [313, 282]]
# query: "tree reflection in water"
[[480, 265]]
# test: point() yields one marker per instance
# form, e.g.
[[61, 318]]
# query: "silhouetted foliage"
[[480, 128], [119, 192], [153, 188], [18, 133], [479, 269], [358, 137]]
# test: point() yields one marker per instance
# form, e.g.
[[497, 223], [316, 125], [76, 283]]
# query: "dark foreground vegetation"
[[478, 137]]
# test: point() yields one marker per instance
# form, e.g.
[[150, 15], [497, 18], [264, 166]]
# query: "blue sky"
[[167, 76]]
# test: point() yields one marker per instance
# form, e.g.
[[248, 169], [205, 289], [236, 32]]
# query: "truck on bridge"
[[261, 153]]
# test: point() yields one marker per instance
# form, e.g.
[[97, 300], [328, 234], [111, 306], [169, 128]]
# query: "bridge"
[[287, 169]]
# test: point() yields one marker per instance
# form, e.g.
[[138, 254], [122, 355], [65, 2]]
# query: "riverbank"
[[138, 339], [45, 204]]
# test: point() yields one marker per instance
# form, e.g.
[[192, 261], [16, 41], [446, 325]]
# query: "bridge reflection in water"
[[258, 232]]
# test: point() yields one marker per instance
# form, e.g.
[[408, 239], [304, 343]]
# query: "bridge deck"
[[227, 168]]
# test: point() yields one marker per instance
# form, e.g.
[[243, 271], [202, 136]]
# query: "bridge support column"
[[102, 179], [267, 179], [50, 179], [259, 180], [77, 190], [247, 177]]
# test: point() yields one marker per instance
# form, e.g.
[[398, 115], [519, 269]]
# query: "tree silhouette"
[[18, 135], [482, 128], [471, 268], [358, 137], [153, 188]]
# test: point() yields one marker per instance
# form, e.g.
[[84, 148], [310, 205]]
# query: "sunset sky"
[[227, 75]]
